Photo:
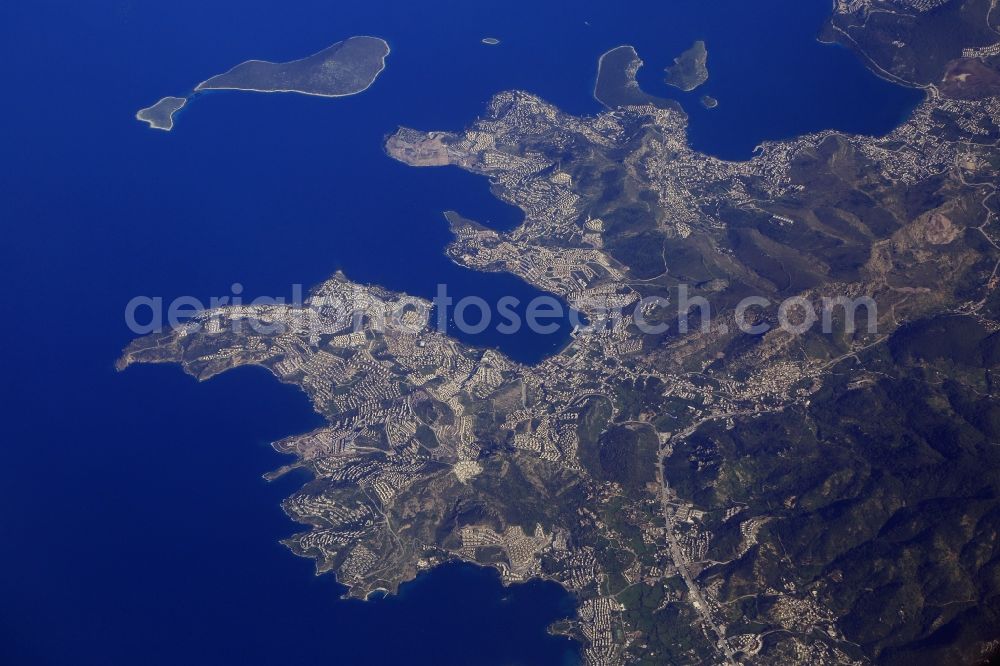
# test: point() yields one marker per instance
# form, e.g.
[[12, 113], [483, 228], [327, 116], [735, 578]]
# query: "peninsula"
[[616, 83], [346, 68], [690, 68], [718, 495]]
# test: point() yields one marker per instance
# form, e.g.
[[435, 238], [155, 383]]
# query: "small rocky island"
[[690, 69], [345, 68], [709, 102], [161, 115]]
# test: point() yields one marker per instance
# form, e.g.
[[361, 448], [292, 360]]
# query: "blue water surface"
[[134, 525]]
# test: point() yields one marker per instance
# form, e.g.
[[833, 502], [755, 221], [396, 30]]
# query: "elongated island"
[[345, 68]]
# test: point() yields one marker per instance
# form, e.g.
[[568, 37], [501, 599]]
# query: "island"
[[346, 68], [709, 102], [490, 41], [161, 115], [690, 69]]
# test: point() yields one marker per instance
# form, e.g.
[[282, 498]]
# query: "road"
[[677, 555]]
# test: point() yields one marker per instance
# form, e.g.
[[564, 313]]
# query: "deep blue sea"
[[135, 527]]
